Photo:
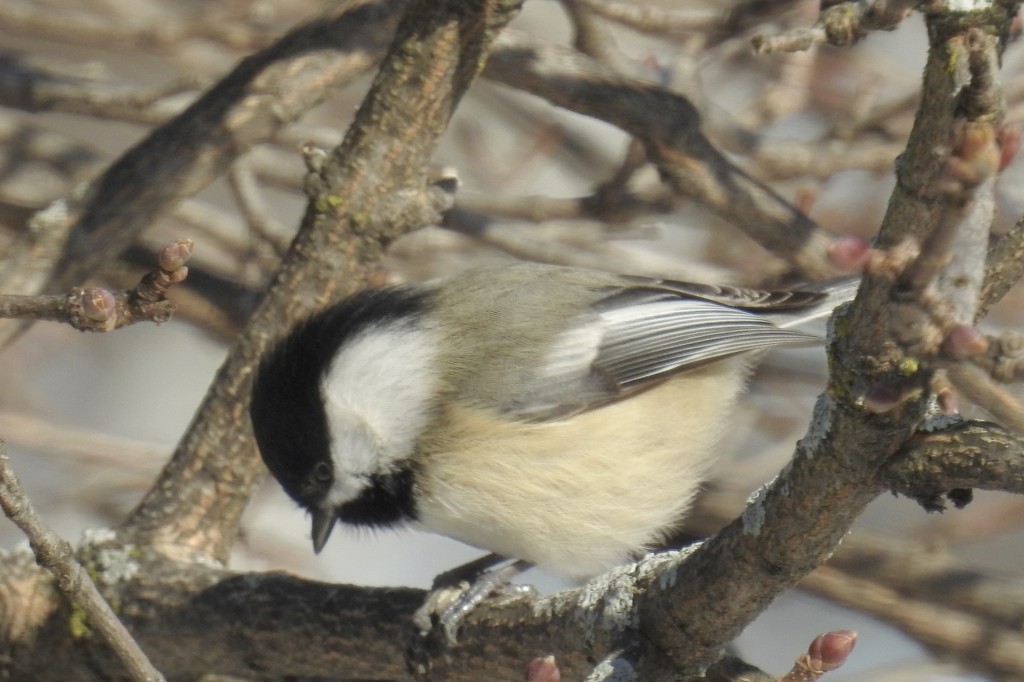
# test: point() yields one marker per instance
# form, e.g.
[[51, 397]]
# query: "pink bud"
[[543, 669], [830, 650], [1009, 142], [178, 275], [98, 305], [963, 341], [849, 253], [174, 256]]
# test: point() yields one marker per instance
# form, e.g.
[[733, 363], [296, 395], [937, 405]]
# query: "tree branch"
[[669, 125], [379, 171], [58, 557], [100, 310], [263, 93]]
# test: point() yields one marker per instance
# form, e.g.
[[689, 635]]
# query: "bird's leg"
[[457, 592]]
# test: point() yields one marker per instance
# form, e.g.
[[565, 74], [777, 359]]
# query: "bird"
[[560, 416]]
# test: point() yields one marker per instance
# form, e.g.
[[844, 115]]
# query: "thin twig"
[[100, 310], [841, 25], [57, 556], [245, 187]]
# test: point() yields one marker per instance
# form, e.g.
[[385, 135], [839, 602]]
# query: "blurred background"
[[89, 419]]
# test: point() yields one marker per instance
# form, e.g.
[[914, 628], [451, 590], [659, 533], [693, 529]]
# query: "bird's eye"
[[322, 473]]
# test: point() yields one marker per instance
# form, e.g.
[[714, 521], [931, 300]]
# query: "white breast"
[[582, 495]]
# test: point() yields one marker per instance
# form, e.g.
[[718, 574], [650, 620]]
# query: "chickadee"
[[561, 416]]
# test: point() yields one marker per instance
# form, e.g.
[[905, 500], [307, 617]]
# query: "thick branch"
[[1004, 266], [798, 521], [363, 195], [967, 455], [195, 620]]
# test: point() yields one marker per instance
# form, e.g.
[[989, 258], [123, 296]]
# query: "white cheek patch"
[[379, 393]]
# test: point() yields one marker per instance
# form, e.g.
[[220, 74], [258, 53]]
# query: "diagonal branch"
[[362, 195], [265, 92], [57, 556]]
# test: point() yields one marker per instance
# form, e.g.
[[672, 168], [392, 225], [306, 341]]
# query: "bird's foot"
[[458, 592]]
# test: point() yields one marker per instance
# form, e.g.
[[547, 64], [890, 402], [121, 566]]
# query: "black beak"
[[323, 524]]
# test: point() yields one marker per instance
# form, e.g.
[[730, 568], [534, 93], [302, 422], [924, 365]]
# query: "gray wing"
[[645, 342], [737, 297], [639, 336]]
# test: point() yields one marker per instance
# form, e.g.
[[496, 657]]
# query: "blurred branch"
[[263, 93], [70, 25], [92, 449], [670, 128], [591, 36], [34, 89], [841, 25], [262, 227], [956, 611], [662, 21]]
